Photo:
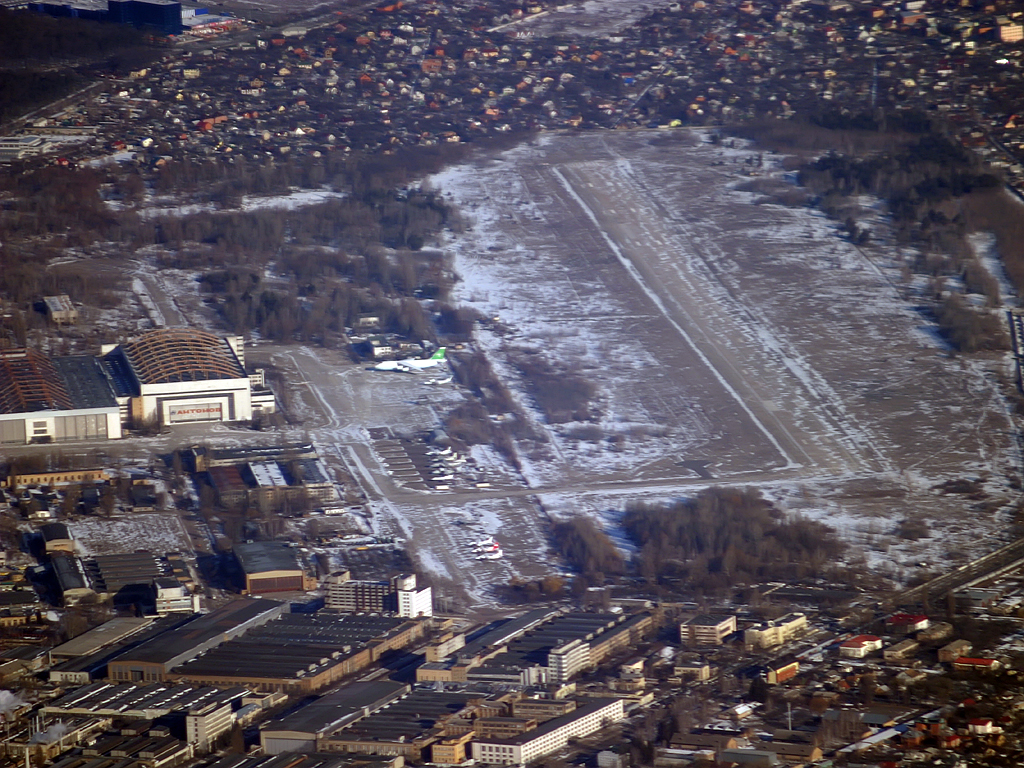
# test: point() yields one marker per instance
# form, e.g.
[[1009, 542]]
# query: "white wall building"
[[550, 736], [175, 376], [413, 603], [565, 660], [204, 724], [173, 597]]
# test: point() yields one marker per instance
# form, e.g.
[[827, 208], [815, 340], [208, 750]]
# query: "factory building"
[[300, 731], [300, 653], [270, 566], [153, 660], [550, 736], [54, 400]]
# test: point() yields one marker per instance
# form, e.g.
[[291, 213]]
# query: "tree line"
[[937, 193], [727, 536], [718, 539]]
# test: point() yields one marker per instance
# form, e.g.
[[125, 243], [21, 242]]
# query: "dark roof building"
[[269, 566], [55, 400], [300, 653], [154, 659], [300, 730]]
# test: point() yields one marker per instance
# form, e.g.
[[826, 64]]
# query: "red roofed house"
[[966, 662], [860, 646], [905, 622]]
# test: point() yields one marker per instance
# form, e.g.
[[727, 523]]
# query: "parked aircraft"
[[411, 364]]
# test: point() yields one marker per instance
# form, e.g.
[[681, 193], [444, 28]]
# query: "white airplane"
[[411, 364], [488, 542], [495, 555]]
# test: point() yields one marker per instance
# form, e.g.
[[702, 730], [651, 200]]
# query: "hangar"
[[269, 566], [59, 399], [178, 375]]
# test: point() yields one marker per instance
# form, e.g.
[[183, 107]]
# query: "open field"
[[729, 340], [751, 335], [158, 533]]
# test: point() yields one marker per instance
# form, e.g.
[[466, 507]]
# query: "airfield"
[[730, 341]]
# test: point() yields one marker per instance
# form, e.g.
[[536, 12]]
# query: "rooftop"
[[406, 719], [30, 382], [310, 760], [113, 572], [85, 381], [292, 647], [262, 556], [127, 699], [267, 474], [584, 709], [93, 640], [204, 629], [177, 354], [332, 710]]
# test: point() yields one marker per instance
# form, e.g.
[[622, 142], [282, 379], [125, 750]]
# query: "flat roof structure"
[[268, 474], [224, 456], [406, 720], [55, 532], [304, 760], [139, 701], [158, 656], [531, 646], [95, 639], [263, 556], [506, 632], [295, 648], [301, 728]]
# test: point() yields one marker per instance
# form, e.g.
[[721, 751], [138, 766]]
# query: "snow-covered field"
[[155, 533], [746, 338], [588, 18]]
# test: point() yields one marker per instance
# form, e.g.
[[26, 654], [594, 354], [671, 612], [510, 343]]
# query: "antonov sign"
[[197, 412]]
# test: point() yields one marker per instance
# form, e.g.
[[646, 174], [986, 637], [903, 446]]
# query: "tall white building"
[[399, 595], [205, 723]]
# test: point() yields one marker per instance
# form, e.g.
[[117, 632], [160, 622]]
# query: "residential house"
[[860, 646]]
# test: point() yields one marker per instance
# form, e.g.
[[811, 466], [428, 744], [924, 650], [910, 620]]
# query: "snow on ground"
[[156, 317], [156, 533], [298, 199], [590, 18], [723, 331]]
